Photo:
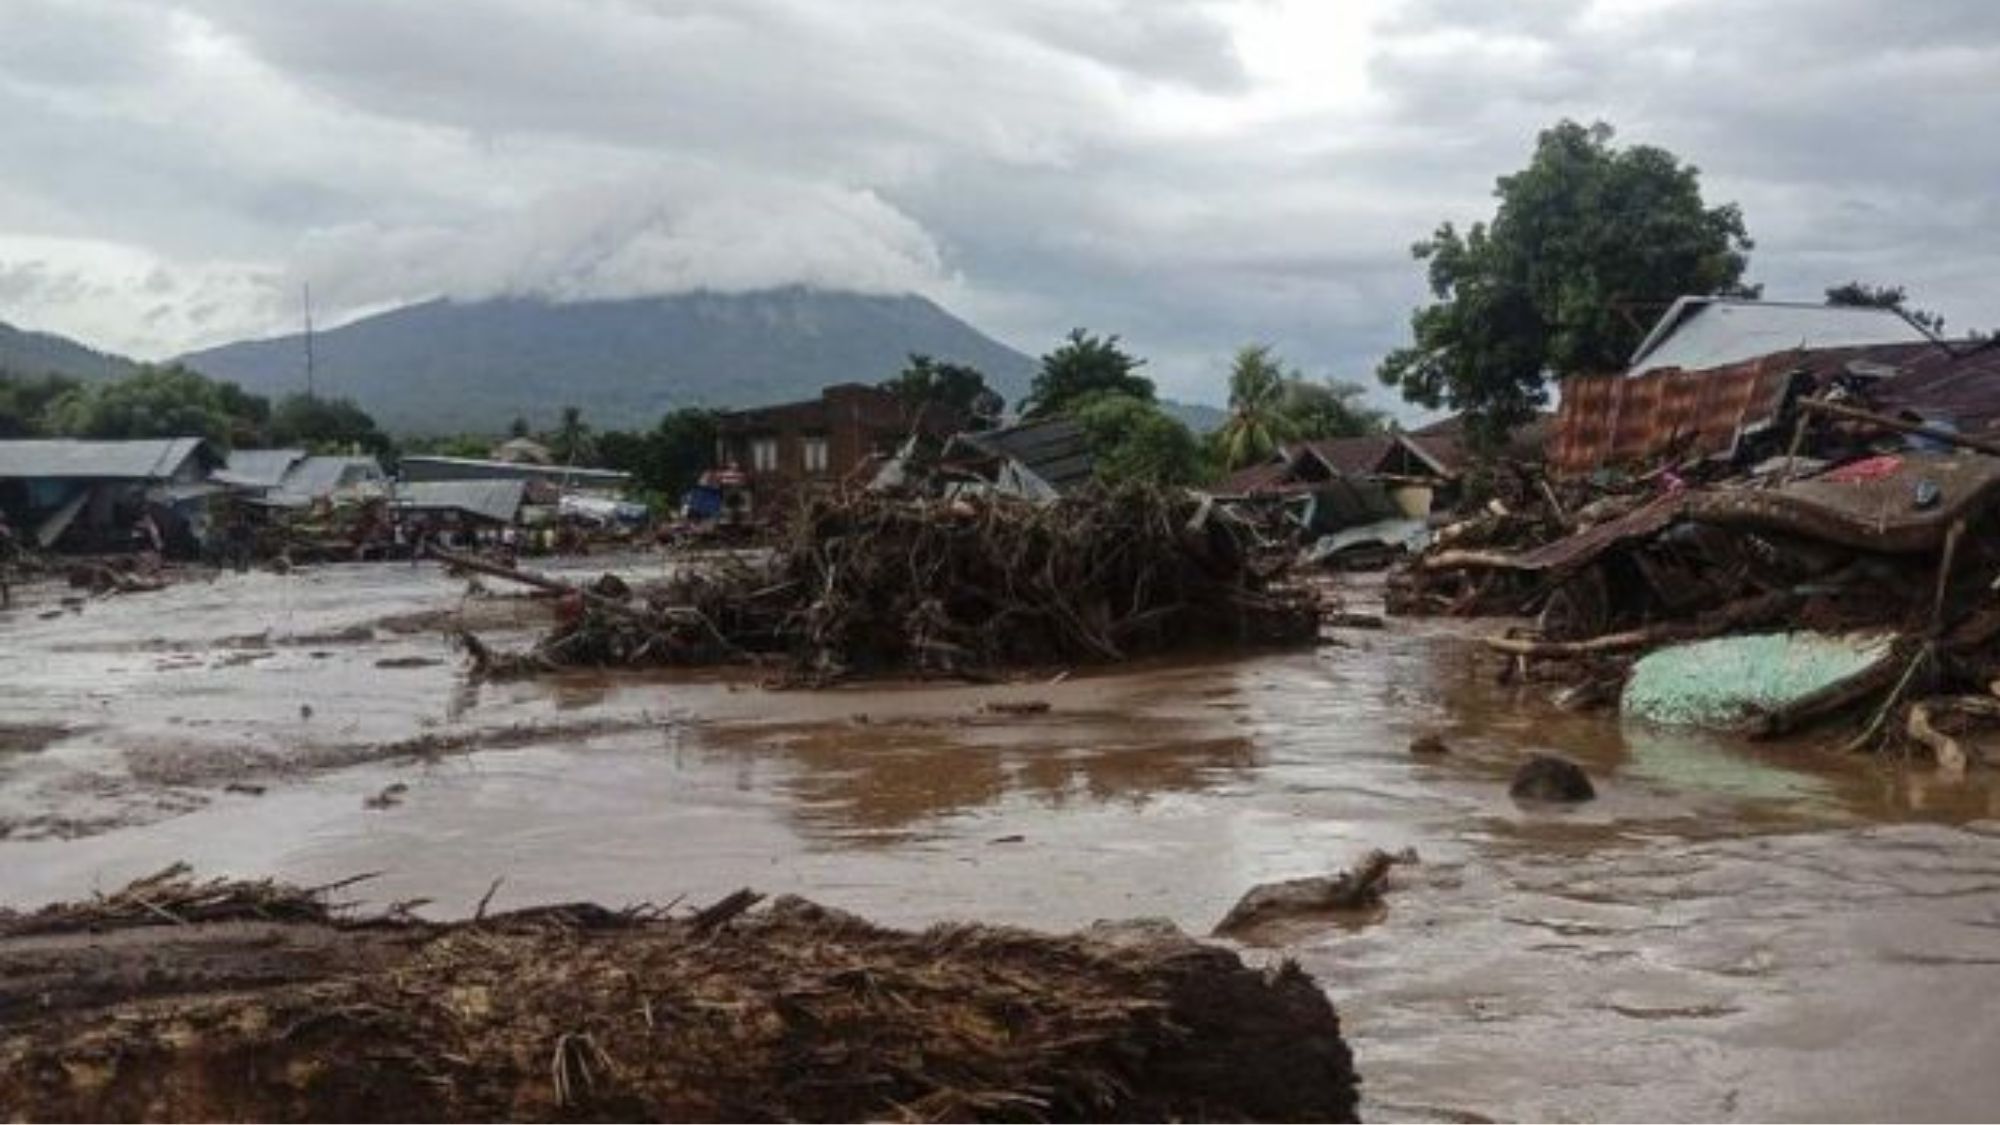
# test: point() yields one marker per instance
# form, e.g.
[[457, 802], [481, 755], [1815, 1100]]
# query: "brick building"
[[824, 440]]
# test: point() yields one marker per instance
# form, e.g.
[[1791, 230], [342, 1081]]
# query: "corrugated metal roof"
[[70, 458], [1055, 449], [259, 468], [1962, 387], [428, 468], [497, 500], [1703, 332], [1608, 420], [315, 477]]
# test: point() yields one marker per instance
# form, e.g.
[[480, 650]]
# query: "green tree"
[[518, 428], [1132, 439], [326, 425], [1258, 423], [1331, 408], [668, 459], [958, 390], [152, 402], [1857, 294], [572, 443], [1085, 366], [1583, 234], [25, 402]]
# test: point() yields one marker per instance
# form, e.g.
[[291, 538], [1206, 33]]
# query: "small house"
[[88, 495]]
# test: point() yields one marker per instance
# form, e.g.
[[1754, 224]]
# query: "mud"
[[1729, 931]]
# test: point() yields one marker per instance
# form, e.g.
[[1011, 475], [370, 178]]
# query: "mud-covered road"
[[1728, 932]]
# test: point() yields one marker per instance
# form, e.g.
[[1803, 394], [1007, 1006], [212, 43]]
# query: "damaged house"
[[292, 478], [1715, 375], [85, 495], [1759, 539], [850, 428]]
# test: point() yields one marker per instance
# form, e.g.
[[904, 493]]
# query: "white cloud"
[[1191, 174]]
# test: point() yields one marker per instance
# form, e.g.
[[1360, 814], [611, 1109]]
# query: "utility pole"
[[309, 340]]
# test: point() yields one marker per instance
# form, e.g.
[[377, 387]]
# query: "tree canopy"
[[155, 402], [1257, 422], [572, 442], [1085, 366], [1585, 237], [1857, 294], [957, 389], [669, 458], [1328, 409], [325, 425], [25, 402], [1270, 404], [1132, 439]]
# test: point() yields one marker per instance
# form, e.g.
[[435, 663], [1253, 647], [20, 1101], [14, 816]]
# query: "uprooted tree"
[[1587, 238], [1861, 295]]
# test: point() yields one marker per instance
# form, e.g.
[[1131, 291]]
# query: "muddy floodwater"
[[1729, 931]]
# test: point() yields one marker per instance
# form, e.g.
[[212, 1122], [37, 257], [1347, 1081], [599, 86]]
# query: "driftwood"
[[1856, 414], [1736, 615], [866, 584], [1266, 903], [1923, 726]]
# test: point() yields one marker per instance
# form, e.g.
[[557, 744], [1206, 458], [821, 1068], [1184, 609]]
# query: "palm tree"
[[1257, 422], [573, 442]]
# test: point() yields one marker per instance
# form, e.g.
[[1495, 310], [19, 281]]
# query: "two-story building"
[[784, 448]]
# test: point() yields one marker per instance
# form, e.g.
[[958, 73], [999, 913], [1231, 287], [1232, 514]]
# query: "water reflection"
[[869, 780]]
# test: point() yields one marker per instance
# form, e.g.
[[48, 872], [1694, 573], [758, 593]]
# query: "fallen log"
[[790, 1012], [1736, 615], [1312, 896], [1922, 726], [1856, 414]]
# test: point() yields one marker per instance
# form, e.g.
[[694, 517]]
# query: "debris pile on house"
[[203, 1001], [864, 583], [1759, 544], [1363, 503]]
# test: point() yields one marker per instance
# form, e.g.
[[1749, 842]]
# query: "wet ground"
[[1728, 932]]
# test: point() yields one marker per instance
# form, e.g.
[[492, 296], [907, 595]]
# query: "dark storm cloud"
[[1192, 175]]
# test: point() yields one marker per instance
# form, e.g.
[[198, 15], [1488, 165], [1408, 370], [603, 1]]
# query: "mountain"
[[1197, 416], [24, 352], [449, 366]]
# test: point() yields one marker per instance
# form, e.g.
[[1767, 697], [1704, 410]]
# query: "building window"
[[812, 453], [764, 455]]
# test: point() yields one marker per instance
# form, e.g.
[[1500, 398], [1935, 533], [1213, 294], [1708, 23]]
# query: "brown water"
[[1728, 932]]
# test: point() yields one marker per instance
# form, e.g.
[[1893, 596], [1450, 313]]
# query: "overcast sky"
[[1192, 176]]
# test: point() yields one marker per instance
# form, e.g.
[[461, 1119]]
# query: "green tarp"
[[1731, 681]]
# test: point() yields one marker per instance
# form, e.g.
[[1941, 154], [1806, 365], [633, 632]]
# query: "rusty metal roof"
[[1625, 420]]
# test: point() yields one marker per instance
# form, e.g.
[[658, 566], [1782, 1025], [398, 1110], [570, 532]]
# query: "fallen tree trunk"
[[793, 1012]]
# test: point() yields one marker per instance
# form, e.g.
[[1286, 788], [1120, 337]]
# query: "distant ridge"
[[447, 366], [25, 352]]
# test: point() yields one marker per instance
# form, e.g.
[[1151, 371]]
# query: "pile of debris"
[[793, 1013], [868, 584], [1857, 567]]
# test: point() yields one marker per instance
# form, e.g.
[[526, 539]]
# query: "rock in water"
[[1428, 746], [1545, 777]]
